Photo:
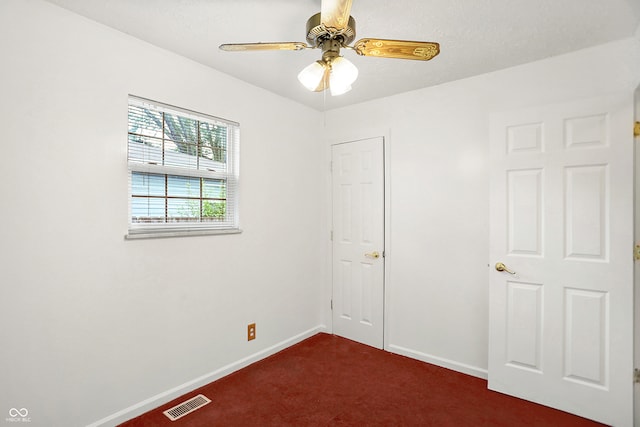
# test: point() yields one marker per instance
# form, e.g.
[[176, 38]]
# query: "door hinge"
[[331, 235], [636, 252], [636, 375], [332, 309], [636, 129]]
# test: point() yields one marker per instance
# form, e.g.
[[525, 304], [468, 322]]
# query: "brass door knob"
[[374, 254], [501, 267]]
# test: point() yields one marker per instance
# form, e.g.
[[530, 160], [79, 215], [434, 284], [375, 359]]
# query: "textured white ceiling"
[[476, 36]]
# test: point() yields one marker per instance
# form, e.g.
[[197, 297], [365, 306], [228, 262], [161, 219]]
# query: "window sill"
[[136, 235]]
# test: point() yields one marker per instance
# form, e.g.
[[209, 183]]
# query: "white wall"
[[91, 324], [439, 191]]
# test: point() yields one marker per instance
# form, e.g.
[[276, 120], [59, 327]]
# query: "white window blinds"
[[183, 171]]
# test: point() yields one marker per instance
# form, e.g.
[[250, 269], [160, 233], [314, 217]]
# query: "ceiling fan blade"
[[236, 47], [335, 13], [400, 49]]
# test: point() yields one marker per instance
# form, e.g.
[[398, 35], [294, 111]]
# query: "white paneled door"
[[561, 307], [358, 240]]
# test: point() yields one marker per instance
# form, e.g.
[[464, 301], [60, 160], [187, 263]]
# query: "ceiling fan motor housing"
[[317, 33]]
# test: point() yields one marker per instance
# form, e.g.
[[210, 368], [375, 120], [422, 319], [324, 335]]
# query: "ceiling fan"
[[330, 30]]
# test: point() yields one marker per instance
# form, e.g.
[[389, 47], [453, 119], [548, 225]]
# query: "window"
[[183, 171]]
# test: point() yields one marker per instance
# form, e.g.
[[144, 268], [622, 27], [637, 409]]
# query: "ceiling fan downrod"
[[330, 50]]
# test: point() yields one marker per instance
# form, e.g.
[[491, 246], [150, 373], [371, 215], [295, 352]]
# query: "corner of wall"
[[440, 361]]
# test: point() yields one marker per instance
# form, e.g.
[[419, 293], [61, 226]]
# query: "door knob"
[[501, 267], [374, 254]]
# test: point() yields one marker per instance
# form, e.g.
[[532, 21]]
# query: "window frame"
[[230, 175]]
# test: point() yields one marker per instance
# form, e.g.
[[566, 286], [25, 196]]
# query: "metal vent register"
[[187, 407]]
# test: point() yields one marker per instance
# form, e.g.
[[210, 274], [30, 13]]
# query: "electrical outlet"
[[251, 332]]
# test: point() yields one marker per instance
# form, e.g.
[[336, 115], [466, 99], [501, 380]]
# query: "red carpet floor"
[[330, 381]]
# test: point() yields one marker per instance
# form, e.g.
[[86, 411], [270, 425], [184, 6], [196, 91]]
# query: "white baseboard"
[[439, 361], [167, 396]]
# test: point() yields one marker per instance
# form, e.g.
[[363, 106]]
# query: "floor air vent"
[[187, 407]]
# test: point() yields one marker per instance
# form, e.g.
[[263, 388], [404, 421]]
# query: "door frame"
[[636, 268], [387, 259]]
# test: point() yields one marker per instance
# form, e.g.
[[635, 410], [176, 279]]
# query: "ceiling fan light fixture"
[[343, 70], [312, 75], [339, 90], [343, 74]]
